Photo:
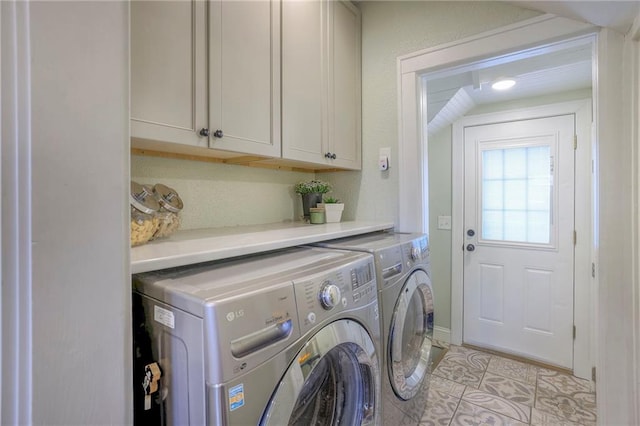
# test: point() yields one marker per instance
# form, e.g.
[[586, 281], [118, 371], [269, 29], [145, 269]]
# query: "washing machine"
[[406, 305], [288, 337]]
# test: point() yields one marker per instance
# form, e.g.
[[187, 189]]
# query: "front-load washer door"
[[410, 335], [333, 380]]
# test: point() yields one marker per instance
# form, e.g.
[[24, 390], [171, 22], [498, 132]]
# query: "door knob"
[[204, 132], [471, 247], [471, 232], [218, 134]]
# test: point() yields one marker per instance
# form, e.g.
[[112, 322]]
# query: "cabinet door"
[[244, 76], [321, 83], [344, 85], [304, 106], [168, 71]]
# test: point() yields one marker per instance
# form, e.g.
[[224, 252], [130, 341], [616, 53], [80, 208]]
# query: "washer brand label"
[[236, 397], [235, 314], [164, 316]]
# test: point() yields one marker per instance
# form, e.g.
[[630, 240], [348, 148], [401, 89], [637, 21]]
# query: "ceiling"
[[618, 15], [451, 95]]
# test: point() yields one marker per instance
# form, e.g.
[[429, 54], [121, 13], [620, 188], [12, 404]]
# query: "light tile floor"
[[470, 387]]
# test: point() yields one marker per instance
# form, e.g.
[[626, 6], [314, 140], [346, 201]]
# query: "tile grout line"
[[457, 405]]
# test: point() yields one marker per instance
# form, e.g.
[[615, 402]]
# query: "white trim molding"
[[634, 36], [442, 334], [15, 226]]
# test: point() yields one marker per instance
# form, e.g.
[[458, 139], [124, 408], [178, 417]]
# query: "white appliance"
[[406, 304], [289, 337]]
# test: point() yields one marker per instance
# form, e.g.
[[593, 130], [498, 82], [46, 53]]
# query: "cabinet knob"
[[204, 132], [330, 155], [218, 134]]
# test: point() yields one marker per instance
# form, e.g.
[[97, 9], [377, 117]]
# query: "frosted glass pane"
[[515, 194], [492, 195], [492, 225], [538, 227], [515, 163], [539, 194], [515, 226], [539, 161], [492, 164]]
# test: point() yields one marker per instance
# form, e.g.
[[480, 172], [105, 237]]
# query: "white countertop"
[[202, 245]]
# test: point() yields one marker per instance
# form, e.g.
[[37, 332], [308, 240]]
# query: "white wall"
[[440, 240], [216, 195], [391, 29], [617, 396], [81, 326]]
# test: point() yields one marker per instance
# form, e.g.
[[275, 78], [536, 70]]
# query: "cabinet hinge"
[[575, 238], [593, 374], [574, 332], [575, 142], [593, 270]]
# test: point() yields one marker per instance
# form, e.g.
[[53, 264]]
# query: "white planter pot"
[[333, 211]]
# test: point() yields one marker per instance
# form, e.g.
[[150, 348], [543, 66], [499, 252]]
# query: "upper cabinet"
[[244, 76], [279, 80], [169, 99], [321, 89]]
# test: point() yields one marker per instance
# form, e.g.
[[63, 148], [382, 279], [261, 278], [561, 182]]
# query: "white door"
[[519, 238]]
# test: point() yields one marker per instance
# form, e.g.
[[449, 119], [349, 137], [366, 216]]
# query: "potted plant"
[[311, 193], [333, 209]]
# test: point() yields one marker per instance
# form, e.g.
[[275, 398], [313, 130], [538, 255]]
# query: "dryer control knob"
[[329, 295]]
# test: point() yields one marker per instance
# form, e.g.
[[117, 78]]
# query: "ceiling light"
[[503, 84]]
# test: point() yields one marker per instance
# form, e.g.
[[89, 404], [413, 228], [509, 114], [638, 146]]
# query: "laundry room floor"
[[471, 387]]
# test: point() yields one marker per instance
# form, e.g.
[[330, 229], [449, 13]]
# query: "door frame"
[[583, 253], [502, 44], [615, 120]]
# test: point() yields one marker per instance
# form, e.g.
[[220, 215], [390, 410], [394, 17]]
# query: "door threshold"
[[520, 359]]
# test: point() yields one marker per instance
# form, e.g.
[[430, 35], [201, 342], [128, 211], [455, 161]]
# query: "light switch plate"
[[444, 222]]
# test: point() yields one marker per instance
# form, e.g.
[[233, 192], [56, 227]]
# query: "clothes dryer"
[[289, 337], [406, 303]]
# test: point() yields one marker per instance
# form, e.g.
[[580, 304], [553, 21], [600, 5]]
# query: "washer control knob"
[[329, 295], [415, 254]]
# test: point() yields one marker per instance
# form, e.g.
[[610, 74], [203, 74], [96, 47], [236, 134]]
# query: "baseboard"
[[442, 334]]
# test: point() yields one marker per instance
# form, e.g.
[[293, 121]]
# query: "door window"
[[516, 200]]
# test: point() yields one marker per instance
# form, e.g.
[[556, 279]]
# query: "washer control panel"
[[417, 251], [327, 294]]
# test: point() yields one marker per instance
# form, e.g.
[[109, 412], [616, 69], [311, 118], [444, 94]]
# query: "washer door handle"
[[392, 270], [261, 338]]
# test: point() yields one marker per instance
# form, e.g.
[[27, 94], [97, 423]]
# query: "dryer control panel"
[[325, 295]]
